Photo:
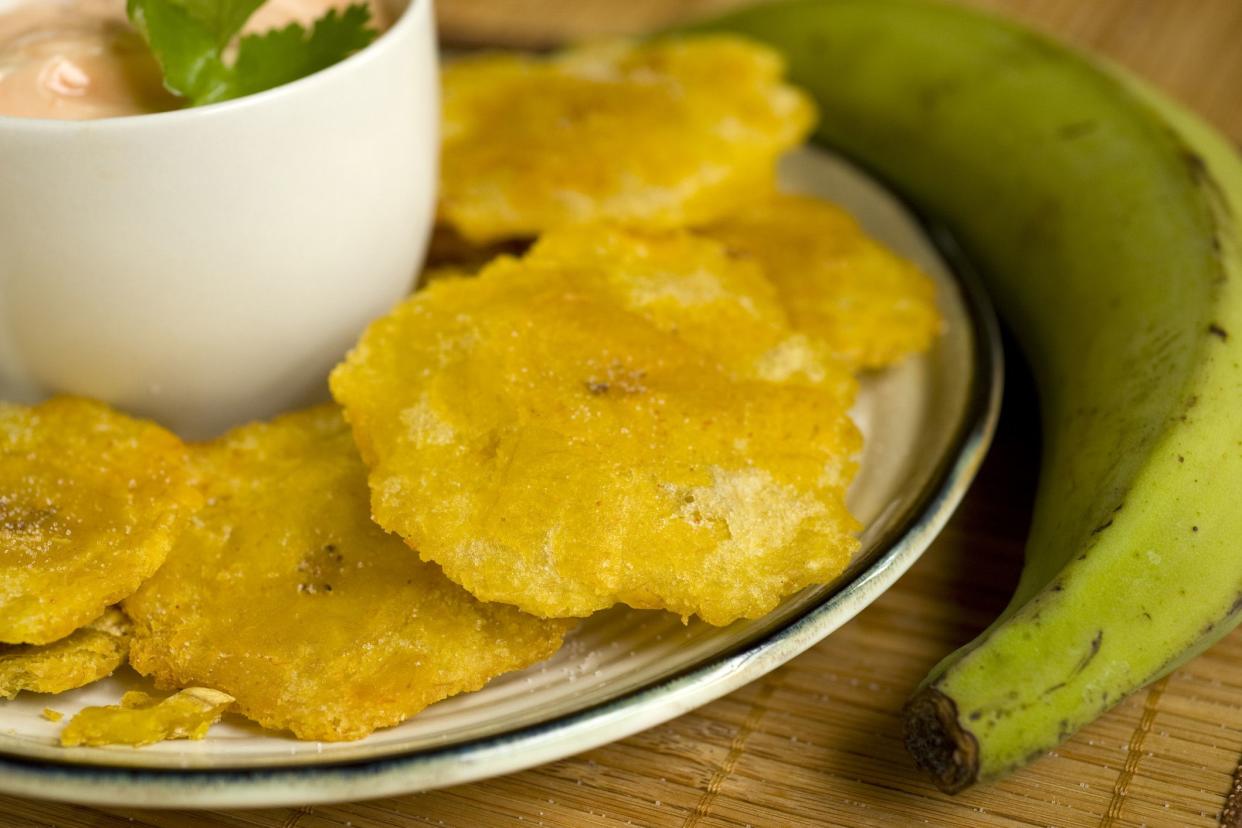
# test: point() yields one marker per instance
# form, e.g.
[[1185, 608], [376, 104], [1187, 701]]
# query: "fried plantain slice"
[[691, 286], [872, 307], [284, 594], [141, 719], [84, 656], [655, 135], [90, 503], [556, 443]]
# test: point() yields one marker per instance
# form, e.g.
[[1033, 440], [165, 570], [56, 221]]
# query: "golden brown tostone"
[[616, 418], [649, 135], [284, 594], [82, 657], [90, 503], [869, 305]]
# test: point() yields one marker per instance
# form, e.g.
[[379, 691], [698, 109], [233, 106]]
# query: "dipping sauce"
[[80, 59]]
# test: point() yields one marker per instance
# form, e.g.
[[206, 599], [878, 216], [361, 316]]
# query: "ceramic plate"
[[927, 424]]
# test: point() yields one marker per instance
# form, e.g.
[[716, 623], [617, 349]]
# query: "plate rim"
[[610, 720]]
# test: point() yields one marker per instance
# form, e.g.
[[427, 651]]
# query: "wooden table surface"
[[817, 742]]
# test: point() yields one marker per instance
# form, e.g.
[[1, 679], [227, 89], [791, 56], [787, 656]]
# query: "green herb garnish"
[[189, 39]]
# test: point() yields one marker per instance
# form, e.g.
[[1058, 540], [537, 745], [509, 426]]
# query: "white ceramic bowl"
[[208, 266]]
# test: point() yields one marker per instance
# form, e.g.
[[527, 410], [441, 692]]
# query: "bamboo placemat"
[[817, 742]]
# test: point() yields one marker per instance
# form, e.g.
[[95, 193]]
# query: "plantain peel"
[[608, 422], [870, 306], [286, 596], [141, 719], [91, 501], [643, 134], [85, 656]]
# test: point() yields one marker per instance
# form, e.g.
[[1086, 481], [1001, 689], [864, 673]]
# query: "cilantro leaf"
[[189, 39], [283, 55], [223, 18], [187, 51]]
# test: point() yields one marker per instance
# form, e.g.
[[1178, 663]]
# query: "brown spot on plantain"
[[1074, 131], [1194, 161], [1090, 655], [1203, 176], [935, 92]]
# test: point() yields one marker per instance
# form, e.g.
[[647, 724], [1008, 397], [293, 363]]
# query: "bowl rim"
[[412, 15]]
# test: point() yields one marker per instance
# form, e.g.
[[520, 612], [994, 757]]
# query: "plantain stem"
[[939, 744]]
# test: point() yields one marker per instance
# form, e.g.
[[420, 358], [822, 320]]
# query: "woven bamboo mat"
[[817, 742]]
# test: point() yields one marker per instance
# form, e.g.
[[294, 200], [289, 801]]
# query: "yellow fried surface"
[[141, 719], [555, 443], [90, 503], [690, 286], [872, 307], [284, 594], [84, 656], [656, 135], [438, 274]]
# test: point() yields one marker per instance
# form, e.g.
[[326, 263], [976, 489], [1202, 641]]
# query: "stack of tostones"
[[650, 406], [286, 596]]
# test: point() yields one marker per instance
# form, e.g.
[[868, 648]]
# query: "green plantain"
[[1106, 224]]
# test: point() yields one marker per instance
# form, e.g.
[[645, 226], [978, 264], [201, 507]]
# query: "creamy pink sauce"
[[80, 59]]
